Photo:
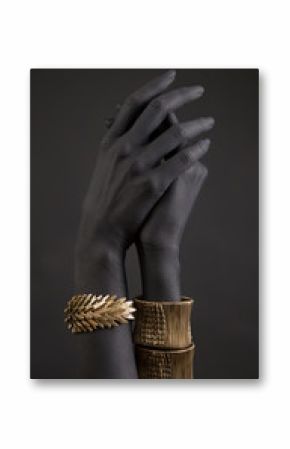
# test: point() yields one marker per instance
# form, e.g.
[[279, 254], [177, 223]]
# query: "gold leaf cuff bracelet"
[[163, 324], [88, 312], [165, 363]]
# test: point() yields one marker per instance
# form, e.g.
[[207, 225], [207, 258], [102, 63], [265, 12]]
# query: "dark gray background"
[[220, 248]]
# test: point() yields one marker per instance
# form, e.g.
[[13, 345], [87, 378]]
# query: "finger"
[[165, 125], [160, 107], [139, 98], [194, 181], [166, 173], [110, 120], [186, 186], [198, 171], [171, 119], [196, 176], [185, 190], [176, 136]]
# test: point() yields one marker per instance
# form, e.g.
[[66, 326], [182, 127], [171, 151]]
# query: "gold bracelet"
[[88, 312], [165, 364], [163, 324]]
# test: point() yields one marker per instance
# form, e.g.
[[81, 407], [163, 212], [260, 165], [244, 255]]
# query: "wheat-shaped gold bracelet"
[[88, 312]]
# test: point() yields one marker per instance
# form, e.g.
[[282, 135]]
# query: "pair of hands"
[[145, 182]]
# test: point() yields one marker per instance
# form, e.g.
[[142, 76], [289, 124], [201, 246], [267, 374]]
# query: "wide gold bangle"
[[163, 324], [164, 364], [88, 312]]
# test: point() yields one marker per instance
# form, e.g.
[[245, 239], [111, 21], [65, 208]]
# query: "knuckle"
[[204, 172], [178, 133], [200, 170], [125, 149], [137, 167], [151, 184]]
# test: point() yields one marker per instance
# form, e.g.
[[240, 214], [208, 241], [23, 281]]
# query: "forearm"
[[106, 353], [160, 269]]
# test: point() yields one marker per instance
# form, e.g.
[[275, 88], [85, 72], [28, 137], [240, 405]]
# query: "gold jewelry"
[[88, 312], [165, 364], [163, 324]]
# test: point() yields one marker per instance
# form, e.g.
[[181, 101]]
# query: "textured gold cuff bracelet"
[[86, 313], [165, 364], [163, 324]]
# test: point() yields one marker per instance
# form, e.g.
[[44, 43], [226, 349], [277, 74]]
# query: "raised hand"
[[160, 236], [128, 179]]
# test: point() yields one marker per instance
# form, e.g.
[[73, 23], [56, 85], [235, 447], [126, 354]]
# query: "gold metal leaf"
[[88, 312]]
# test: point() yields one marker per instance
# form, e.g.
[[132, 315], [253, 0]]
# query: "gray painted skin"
[[134, 198]]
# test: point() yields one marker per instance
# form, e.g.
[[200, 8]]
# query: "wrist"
[[160, 268], [97, 240], [98, 251], [165, 255], [99, 268]]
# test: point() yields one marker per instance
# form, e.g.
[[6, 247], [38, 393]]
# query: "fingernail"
[[200, 90], [204, 144], [209, 122]]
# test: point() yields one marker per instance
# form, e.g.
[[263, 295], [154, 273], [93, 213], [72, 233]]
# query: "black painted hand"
[[160, 237], [128, 179], [165, 225], [159, 240]]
